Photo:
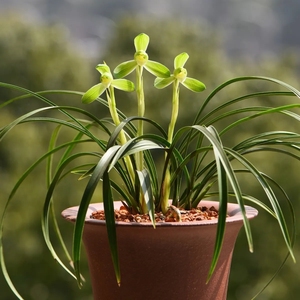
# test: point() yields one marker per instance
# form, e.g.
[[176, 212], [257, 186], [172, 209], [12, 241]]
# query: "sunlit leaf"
[[124, 68], [141, 42], [157, 69], [93, 93], [223, 200], [132, 147], [194, 85], [145, 182]]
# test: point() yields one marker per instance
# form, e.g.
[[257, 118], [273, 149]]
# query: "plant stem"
[[140, 129], [141, 110], [175, 108], [115, 117], [166, 183]]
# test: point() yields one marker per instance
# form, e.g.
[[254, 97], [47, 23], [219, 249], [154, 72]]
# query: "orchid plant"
[[195, 159]]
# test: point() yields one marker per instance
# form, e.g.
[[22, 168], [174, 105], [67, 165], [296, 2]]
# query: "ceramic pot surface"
[[169, 262]]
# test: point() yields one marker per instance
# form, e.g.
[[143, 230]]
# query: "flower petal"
[[124, 68], [93, 93], [194, 85], [161, 83], [157, 69], [103, 68], [141, 42], [123, 84], [180, 60]]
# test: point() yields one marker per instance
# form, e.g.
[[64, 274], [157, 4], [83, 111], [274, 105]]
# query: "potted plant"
[[163, 237]]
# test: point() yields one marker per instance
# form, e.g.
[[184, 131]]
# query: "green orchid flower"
[[141, 59], [180, 75], [106, 81]]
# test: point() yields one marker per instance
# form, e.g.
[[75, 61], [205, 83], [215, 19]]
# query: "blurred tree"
[[36, 56], [39, 56]]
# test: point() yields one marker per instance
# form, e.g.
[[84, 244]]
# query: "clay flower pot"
[[169, 262]]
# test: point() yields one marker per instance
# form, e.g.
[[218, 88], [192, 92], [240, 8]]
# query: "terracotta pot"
[[169, 262]]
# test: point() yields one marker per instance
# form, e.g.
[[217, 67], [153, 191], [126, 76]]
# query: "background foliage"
[[42, 57]]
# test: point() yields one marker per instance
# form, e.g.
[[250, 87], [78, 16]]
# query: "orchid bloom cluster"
[[164, 78]]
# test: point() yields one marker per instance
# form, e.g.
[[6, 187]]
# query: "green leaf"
[[46, 213], [161, 83], [110, 225], [98, 173], [223, 200], [157, 69], [124, 68], [221, 155], [93, 93], [131, 147], [4, 270], [103, 68], [271, 196], [141, 42], [194, 85], [145, 183], [180, 60], [123, 84]]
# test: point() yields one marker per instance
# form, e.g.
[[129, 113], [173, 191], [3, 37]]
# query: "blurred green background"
[[38, 56]]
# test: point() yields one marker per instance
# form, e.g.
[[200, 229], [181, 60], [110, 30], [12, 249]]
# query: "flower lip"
[[141, 57], [106, 78], [180, 74]]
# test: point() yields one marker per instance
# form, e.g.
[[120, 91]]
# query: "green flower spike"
[[106, 81], [141, 58], [178, 77], [180, 74], [139, 63]]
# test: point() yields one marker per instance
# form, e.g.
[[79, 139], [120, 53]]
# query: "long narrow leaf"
[[110, 225], [4, 270], [271, 196], [223, 193], [231, 177], [98, 173], [46, 209], [239, 79]]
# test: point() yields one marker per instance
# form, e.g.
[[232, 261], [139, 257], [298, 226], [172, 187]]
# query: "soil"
[[173, 215]]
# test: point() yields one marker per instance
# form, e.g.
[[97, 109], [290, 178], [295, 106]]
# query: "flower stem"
[[140, 129], [115, 117], [167, 180], [175, 108], [141, 110]]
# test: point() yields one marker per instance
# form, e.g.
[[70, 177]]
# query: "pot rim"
[[233, 210]]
